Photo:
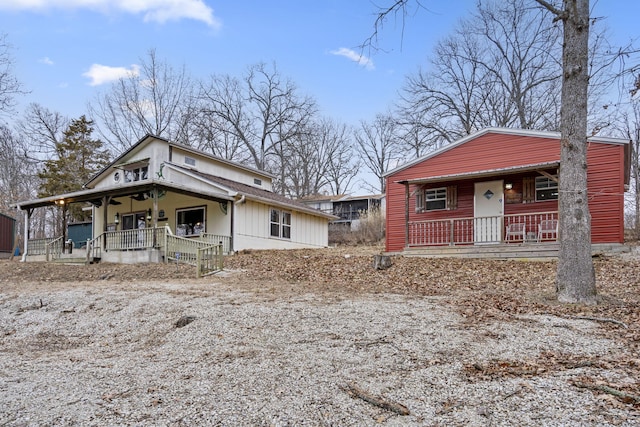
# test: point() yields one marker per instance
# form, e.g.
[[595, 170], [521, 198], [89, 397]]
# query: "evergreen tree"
[[77, 158]]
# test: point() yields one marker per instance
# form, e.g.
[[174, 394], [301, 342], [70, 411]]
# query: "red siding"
[[7, 230], [497, 151]]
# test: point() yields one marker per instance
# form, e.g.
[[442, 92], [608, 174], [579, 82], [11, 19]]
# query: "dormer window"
[[189, 161]]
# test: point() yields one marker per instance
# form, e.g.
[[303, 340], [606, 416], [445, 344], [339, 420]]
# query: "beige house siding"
[[307, 231]]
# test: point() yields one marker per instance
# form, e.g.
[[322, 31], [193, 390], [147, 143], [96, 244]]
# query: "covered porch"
[[137, 223], [500, 213]]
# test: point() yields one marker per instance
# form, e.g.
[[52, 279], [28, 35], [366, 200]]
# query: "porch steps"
[[523, 251]]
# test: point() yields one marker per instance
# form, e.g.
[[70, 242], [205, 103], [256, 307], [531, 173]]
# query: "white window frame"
[[544, 184], [433, 195], [279, 224]]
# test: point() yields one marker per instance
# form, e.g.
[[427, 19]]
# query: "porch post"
[[154, 214], [406, 214], [27, 218], [105, 204]]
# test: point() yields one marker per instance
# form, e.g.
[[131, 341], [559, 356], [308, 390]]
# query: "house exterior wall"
[[496, 151], [219, 168], [252, 229], [157, 152]]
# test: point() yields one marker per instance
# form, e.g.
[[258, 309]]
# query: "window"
[[191, 221], [257, 181], [435, 199], [189, 161], [280, 224], [136, 174], [546, 188]]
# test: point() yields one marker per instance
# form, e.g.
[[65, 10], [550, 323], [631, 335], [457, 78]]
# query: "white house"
[[161, 187]]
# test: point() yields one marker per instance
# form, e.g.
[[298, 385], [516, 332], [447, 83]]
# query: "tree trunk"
[[575, 278]]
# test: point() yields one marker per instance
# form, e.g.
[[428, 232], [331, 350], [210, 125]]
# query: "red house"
[[499, 187]]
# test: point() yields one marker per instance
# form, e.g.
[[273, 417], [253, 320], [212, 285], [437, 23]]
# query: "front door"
[[488, 202]]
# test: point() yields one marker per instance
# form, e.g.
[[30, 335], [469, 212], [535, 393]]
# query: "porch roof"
[[482, 173], [92, 195]]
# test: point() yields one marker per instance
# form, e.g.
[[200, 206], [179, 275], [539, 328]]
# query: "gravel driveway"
[[122, 353]]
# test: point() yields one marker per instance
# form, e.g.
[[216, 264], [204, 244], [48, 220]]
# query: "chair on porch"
[[548, 230], [517, 231]]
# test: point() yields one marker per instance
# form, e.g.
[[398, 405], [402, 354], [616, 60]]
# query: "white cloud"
[[46, 60], [101, 74], [355, 57], [152, 10]]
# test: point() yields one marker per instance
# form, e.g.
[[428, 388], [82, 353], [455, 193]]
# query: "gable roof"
[[504, 131], [257, 194], [119, 161]]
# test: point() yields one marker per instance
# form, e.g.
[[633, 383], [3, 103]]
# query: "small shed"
[[7, 235], [500, 186]]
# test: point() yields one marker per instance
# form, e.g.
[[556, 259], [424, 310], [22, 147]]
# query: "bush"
[[369, 229]]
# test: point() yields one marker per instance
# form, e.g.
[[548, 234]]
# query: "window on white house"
[[189, 161], [546, 188], [136, 174], [191, 221], [435, 199], [280, 224]]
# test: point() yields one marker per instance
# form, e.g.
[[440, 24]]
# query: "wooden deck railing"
[[54, 248], [467, 231], [138, 238], [39, 246], [218, 239], [206, 252]]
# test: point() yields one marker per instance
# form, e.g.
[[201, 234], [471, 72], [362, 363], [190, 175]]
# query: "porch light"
[[117, 218], [508, 185], [149, 215]]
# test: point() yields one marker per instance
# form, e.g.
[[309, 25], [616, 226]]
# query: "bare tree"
[[43, 129], [342, 164], [575, 276], [9, 84], [156, 101], [263, 111], [378, 146], [499, 68], [631, 129], [320, 159]]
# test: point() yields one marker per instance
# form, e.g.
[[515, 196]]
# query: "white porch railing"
[[54, 248], [39, 246], [138, 238], [467, 231], [218, 239]]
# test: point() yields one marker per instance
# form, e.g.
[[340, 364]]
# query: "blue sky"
[[66, 51]]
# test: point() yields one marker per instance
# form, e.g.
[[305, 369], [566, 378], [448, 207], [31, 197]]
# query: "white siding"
[[252, 229], [218, 168]]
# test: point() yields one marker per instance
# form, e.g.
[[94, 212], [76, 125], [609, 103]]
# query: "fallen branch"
[[356, 391], [625, 397], [602, 319]]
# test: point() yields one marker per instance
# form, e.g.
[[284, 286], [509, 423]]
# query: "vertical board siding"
[[7, 230], [498, 151]]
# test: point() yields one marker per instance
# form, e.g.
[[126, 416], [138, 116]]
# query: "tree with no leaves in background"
[[499, 68], [153, 99], [10, 86], [378, 144]]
